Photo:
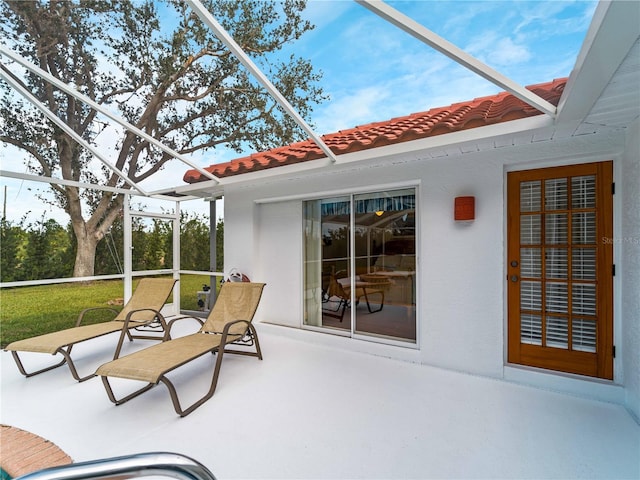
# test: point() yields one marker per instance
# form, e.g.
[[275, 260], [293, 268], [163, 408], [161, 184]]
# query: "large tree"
[[164, 71]]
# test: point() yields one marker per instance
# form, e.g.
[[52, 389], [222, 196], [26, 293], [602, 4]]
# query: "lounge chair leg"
[[66, 359], [254, 334], [214, 382], [366, 297], [112, 397], [31, 374]]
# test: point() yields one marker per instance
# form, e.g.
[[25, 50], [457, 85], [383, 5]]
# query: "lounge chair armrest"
[[225, 331], [90, 309], [185, 317], [158, 315], [125, 327]]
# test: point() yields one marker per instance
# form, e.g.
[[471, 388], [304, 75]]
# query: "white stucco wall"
[[460, 285], [630, 269], [461, 282]]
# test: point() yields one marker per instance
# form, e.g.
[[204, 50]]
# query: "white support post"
[[176, 260], [128, 248]]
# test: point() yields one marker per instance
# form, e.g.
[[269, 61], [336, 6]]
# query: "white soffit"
[[614, 30]]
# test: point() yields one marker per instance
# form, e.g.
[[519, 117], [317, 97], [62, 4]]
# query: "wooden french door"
[[560, 268]]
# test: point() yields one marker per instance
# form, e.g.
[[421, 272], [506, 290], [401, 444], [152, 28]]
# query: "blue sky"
[[373, 71]]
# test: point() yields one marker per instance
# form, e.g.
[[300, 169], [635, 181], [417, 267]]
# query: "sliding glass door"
[[360, 264]]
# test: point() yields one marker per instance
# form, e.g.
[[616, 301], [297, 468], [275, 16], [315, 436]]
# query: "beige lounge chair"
[[142, 309], [228, 322]]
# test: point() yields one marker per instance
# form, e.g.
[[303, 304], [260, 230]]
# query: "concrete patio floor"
[[318, 411]]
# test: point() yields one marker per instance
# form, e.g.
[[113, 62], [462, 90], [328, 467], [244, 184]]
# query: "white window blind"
[[557, 237]]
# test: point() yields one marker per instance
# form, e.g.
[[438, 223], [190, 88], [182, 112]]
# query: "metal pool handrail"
[[171, 465]]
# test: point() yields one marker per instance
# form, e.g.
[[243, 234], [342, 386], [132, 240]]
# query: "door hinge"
[[613, 269], [613, 188], [613, 351]]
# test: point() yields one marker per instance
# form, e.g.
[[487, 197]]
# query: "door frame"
[[607, 362]]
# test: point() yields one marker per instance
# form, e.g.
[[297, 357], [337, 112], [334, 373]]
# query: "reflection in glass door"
[[360, 264], [327, 266]]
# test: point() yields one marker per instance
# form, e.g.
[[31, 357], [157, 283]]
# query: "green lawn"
[[29, 311]]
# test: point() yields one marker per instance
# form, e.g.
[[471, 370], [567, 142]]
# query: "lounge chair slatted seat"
[[150, 364], [142, 309], [228, 322]]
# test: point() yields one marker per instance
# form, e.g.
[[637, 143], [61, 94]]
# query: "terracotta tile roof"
[[480, 112]]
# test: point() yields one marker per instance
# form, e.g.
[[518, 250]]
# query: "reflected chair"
[[142, 310], [229, 322], [339, 293]]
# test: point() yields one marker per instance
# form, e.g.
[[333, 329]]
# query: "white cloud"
[[351, 108], [507, 52]]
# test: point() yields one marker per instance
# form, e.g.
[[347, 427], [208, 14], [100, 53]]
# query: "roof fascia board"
[[425, 35], [400, 149], [117, 119], [614, 29], [68, 130], [228, 40], [204, 189], [177, 196], [472, 135]]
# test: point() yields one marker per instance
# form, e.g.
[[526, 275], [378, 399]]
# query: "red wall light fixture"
[[464, 209]]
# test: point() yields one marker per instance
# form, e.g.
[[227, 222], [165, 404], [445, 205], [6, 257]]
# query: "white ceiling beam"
[[231, 44], [100, 108], [62, 181], [66, 128], [425, 35], [90, 186]]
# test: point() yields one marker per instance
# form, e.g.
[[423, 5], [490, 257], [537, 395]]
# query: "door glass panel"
[[583, 299], [530, 263], [583, 192], [556, 228], [557, 333], [530, 196], [555, 194], [556, 297], [583, 228], [326, 231], [583, 264], [530, 229], [531, 296], [583, 335], [385, 264], [556, 263], [531, 329]]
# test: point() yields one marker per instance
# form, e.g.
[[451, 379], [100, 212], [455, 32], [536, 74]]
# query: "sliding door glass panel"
[[313, 292], [327, 266], [384, 239]]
